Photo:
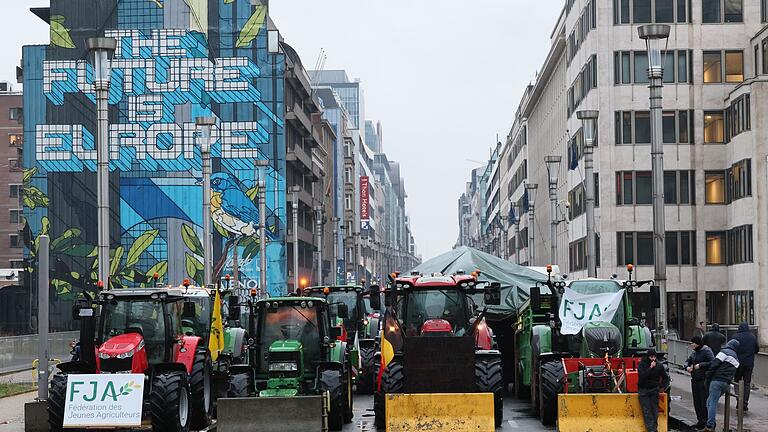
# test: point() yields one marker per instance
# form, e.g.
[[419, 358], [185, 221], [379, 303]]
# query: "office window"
[[15, 140], [14, 216], [734, 66], [679, 187], [713, 67], [734, 11], [348, 202], [684, 121], [716, 253], [730, 307], [640, 67], [682, 11], [641, 11], [634, 248], [15, 190], [764, 10], [756, 63], [664, 11], [714, 127], [668, 127], [647, 11], [714, 182], [632, 67], [739, 180], [740, 245], [642, 127], [15, 113], [15, 242], [633, 187], [710, 11], [682, 66], [676, 127], [680, 247], [737, 116]]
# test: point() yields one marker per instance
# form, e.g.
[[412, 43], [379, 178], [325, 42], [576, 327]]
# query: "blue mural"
[[175, 60]]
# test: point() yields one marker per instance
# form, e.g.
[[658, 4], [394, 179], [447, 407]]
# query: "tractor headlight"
[[126, 354], [283, 367], [103, 356]]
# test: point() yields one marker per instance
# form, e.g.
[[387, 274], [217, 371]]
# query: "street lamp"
[[319, 222], [656, 37], [516, 211], [294, 190], [553, 168], [531, 190], [205, 124], [261, 166], [589, 125], [505, 235], [101, 50]]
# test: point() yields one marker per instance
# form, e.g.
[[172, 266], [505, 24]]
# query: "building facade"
[[714, 152]]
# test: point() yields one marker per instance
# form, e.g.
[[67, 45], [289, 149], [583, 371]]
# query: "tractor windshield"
[[143, 316], [349, 298], [290, 322], [201, 323], [423, 305]]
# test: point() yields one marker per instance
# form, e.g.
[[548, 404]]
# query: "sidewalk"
[[755, 420]]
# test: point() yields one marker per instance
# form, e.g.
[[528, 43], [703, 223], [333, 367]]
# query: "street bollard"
[[42, 318], [740, 406], [727, 411]]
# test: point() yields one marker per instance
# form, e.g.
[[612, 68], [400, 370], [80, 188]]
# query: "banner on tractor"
[[103, 400], [576, 309]]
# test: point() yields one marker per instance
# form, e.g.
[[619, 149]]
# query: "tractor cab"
[[348, 297]]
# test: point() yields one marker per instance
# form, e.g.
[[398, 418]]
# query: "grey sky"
[[444, 77]]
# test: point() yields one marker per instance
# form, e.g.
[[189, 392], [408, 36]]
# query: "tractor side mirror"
[[342, 311], [233, 312], [535, 298], [189, 310], [375, 297], [492, 294], [335, 333]]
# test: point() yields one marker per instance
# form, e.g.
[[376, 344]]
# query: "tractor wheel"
[[169, 402], [240, 385], [56, 397], [489, 378], [550, 385], [332, 382], [391, 382], [201, 389], [367, 372]]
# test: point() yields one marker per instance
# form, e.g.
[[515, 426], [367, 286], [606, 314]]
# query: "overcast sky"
[[444, 78]]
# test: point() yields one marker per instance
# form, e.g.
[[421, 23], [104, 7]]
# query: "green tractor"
[[358, 330], [540, 347], [296, 353]]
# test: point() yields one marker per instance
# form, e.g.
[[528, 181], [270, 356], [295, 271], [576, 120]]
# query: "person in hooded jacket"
[[697, 365], [719, 375], [714, 339], [652, 378], [748, 347]]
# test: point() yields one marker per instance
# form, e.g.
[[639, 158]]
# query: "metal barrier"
[[18, 352], [679, 350]]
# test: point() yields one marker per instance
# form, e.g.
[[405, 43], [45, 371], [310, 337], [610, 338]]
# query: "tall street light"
[[294, 190], [261, 166], [516, 210], [101, 50], [656, 36], [553, 168], [204, 125], [531, 189], [504, 237], [589, 125]]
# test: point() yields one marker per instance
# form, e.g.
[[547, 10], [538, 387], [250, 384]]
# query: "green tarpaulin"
[[515, 280]]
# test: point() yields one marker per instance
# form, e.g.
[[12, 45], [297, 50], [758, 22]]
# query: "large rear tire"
[[169, 402], [367, 372], [240, 385], [57, 393], [391, 382], [550, 385], [201, 385], [331, 381], [489, 378]]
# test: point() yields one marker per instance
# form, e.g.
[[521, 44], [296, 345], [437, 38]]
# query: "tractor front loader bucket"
[[272, 414], [605, 412], [456, 412]]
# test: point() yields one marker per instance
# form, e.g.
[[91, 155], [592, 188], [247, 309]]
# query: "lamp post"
[[516, 210], [261, 166], [655, 36], [101, 50], [531, 189], [553, 168], [505, 236], [294, 190], [589, 126], [319, 221], [336, 242], [204, 125]]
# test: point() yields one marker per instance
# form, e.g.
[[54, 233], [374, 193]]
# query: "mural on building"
[[175, 60]]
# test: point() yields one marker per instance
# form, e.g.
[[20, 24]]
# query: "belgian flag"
[[391, 341]]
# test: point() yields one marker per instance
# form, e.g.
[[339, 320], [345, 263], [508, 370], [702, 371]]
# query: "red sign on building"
[[364, 184]]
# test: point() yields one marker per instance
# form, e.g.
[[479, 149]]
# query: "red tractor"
[[440, 339], [140, 331]]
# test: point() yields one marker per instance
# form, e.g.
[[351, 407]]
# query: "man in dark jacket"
[[720, 374], [748, 347], [714, 339], [697, 365], [651, 379]]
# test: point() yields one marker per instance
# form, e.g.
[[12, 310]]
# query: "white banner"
[[103, 400], [576, 310]]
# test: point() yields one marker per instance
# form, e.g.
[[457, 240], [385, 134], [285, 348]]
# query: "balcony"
[[296, 116]]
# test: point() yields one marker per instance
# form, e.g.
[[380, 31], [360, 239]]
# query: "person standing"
[[748, 347], [652, 379], [714, 339], [701, 329], [720, 374], [697, 365]]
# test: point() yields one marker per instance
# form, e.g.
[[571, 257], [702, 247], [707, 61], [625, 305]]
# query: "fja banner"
[[576, 309]]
